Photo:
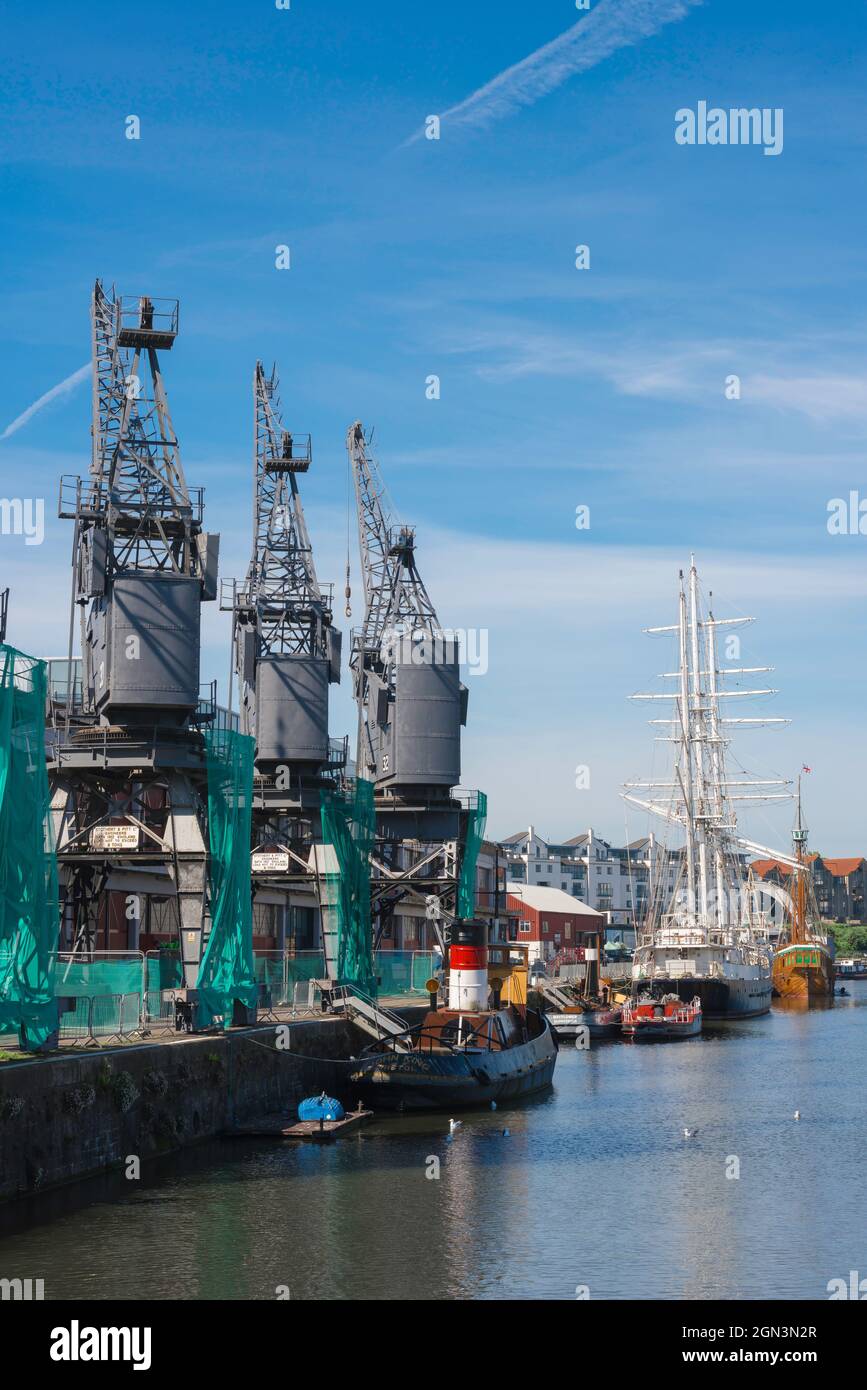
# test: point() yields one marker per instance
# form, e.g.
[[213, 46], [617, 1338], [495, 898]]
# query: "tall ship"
[[804, 959], [705, 936]]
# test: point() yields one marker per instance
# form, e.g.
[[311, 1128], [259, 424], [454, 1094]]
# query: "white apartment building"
[[612, 880]]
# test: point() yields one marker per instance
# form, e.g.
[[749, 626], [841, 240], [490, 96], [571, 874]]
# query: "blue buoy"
[[320, 1108]]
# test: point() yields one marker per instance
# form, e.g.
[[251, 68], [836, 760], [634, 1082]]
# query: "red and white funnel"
[[468, 967]]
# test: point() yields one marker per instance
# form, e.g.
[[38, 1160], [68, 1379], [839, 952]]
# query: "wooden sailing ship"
[[804, 961]]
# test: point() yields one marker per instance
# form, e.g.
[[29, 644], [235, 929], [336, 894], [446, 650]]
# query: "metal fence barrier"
[[118, 995], [102, 1018]]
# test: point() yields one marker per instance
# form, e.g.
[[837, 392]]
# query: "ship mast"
[[700, 799], [699, 736], [719, 807], [686, 750], [799, 839]]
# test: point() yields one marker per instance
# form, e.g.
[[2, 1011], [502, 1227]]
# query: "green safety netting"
[[280, 974], [348, 827], [226, 973], [83, 976], [403, 972], [475, 834], [29, 906]]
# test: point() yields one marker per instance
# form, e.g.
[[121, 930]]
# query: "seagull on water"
[[454, 1124], [690, 1133], [797, 1115]]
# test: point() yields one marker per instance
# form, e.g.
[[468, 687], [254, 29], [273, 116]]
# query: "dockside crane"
[[411, 708], [143, 563], [126, 757], [286, 652]]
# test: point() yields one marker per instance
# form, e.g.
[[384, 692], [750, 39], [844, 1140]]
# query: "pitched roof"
[[764, 867], [551, 900], [841, 868]]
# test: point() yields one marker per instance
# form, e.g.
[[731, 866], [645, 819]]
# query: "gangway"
[[556, 994], [371, 1017]]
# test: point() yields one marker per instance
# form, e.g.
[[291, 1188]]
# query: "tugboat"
[[707, 937], [804, 961], [466, 1054], [650, 1019]]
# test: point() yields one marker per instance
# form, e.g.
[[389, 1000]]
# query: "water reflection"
[[593, 1184]]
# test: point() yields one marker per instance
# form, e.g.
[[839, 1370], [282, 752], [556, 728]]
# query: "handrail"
[[349, 991], [686, 1014]]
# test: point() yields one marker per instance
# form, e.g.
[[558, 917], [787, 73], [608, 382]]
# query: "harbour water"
[[593, 1186]]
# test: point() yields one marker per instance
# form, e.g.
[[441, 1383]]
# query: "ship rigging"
[[707, 937]]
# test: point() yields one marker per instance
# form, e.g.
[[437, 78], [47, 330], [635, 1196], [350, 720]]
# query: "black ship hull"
[[425, 1081], [721, 999]]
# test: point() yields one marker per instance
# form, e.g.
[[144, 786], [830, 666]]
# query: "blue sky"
[[456, 257]]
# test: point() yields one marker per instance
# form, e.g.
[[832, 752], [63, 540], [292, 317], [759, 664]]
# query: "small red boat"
[[648, 1019]]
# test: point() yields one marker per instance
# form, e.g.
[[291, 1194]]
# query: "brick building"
[[839, 884], [550, 920]]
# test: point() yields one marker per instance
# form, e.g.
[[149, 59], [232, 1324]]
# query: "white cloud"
[[63, 388], [610, 25], [822, 396], [687, 369]]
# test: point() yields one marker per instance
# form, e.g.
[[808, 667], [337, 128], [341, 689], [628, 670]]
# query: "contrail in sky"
[[61, 389], [611, 24]]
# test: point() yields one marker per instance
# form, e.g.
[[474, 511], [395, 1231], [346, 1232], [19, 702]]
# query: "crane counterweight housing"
[[419, 743], [292, 709], [158, 617]]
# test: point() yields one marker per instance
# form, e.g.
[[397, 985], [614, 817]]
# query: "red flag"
[[806, 769]]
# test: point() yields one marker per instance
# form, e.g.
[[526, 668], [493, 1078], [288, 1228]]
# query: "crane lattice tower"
[[286, 653]]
